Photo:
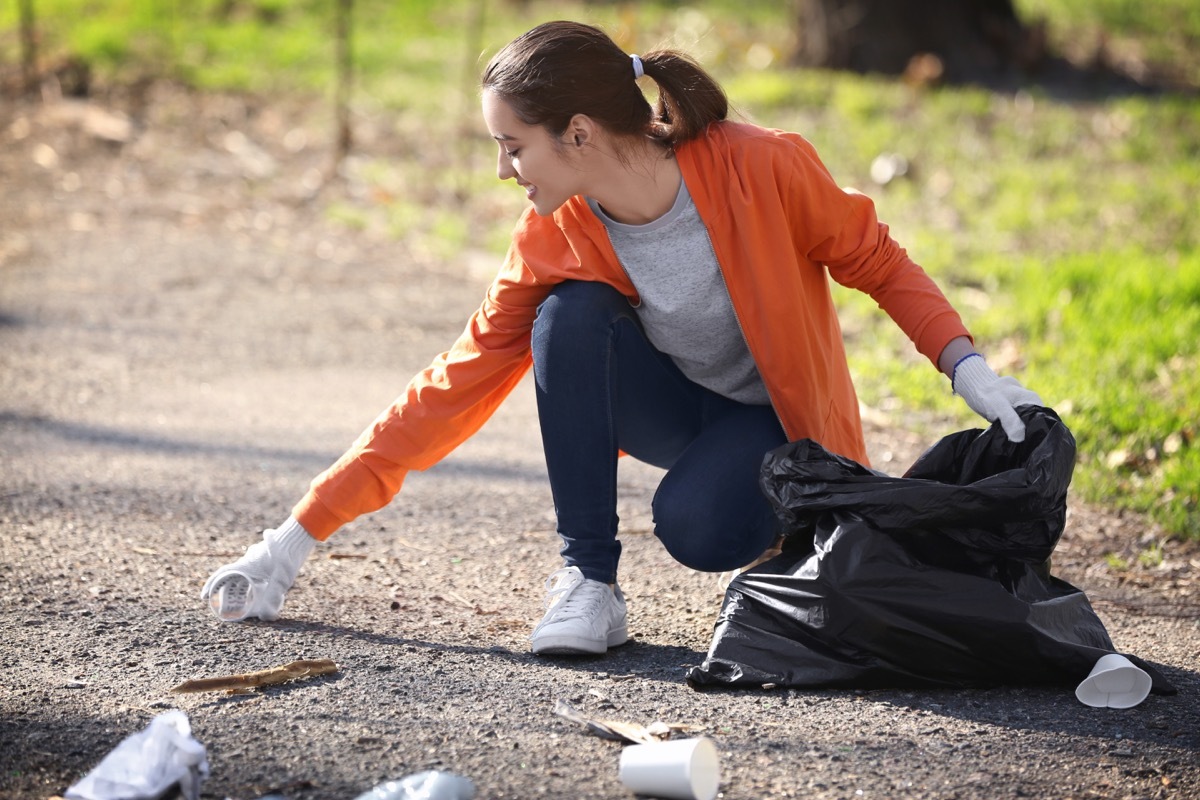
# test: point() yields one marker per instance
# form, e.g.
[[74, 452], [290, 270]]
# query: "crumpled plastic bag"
[[940, 577], [430, 785], [148, 763]]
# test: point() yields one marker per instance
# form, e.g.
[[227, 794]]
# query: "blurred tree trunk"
[[28, 44], [959, 40], [344, 10]]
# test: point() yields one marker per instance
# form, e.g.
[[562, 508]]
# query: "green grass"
[[1065, 231], [1133, 33], [1113, 341]]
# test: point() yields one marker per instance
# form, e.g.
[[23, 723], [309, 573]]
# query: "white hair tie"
[[638, 71]]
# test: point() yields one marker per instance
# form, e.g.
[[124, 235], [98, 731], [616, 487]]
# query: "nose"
[[504, 167]]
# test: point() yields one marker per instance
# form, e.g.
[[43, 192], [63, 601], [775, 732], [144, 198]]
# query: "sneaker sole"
[[575, 646]]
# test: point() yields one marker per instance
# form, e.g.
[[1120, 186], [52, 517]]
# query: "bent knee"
[[580, 302], [708, 543]]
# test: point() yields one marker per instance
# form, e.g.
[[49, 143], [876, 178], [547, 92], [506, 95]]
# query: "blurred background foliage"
[[1060, 217]]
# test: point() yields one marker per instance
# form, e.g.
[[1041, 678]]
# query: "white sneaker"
[[582, 616]]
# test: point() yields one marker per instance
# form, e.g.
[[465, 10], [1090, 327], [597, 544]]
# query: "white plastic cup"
[[1114, 682], [680, 769], [236, 608]]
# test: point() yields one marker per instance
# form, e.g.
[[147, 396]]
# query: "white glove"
[[991, 396], [254, 585]]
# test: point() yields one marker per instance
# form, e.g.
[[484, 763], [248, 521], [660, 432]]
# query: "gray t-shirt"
[[685, 307]]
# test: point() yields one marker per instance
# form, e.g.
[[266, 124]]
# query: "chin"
[[547, 209]]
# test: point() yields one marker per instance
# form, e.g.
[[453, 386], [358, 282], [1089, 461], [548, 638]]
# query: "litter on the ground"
[[630, 732], [1115, 682], [683, 769], [253, 680], [432, 785], [148, 763]]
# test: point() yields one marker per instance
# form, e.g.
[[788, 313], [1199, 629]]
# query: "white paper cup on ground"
[[682, 769], [1115, 682]]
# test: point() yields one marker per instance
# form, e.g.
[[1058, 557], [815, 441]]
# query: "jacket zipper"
[[741, 330]]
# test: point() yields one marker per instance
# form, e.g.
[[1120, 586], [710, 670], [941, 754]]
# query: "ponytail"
[[560, 69], [689, 99]]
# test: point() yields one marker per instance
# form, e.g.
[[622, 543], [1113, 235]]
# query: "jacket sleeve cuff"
[[939, 333], [316, 517]]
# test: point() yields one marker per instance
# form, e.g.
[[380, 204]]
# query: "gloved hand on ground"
[[255, 584]]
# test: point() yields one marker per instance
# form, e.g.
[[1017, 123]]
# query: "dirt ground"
[[185, 342]]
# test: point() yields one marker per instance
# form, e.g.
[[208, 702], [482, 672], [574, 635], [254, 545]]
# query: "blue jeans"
[[602, 387]]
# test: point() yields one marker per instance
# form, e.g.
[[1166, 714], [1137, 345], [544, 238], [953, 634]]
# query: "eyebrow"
[[503, 137]]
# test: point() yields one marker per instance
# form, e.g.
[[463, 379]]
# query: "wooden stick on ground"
[[267, 677]]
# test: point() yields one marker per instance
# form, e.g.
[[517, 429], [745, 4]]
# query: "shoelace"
[[561, 594]]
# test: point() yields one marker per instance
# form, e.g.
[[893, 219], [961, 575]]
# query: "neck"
[[641, 189]]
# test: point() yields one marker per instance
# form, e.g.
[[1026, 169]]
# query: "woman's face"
[[540, 163]]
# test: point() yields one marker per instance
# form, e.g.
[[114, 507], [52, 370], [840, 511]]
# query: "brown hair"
[[560, 69]]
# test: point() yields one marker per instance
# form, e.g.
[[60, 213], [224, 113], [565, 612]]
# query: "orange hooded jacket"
[[776, 220]]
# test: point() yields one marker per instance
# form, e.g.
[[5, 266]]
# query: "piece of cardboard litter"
[[252, 680], [630, 732]]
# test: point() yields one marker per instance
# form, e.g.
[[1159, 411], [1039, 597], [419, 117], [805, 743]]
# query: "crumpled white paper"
[[148, 763]]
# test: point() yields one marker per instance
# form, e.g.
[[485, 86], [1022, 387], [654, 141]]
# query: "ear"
[[582, 130]]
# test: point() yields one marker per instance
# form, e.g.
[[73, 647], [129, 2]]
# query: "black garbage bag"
[[937, 578]]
